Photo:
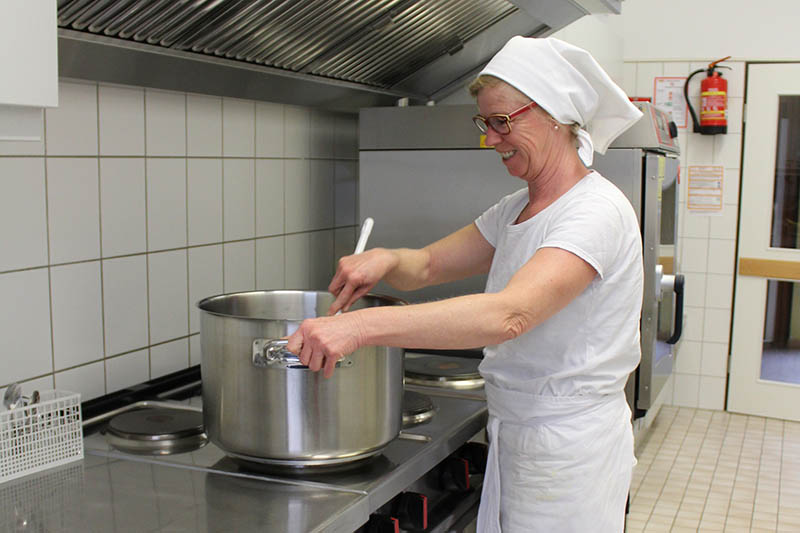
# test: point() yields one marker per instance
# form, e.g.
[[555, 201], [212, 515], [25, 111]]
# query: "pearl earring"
[[556, 126]]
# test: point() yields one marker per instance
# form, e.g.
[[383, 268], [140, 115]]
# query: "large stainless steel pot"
[[260, 404]]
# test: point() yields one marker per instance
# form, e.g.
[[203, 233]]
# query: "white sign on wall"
[[668, 94], [705, 189]]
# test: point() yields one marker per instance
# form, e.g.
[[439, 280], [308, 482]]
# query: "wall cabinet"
[[28, 53]]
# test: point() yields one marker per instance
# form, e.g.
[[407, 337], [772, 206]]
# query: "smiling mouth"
[[507, 155]]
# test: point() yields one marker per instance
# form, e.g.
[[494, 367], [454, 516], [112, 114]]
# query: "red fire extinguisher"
[[713, 100]]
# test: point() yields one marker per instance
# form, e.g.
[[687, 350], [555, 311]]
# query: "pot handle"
[[272, 353]]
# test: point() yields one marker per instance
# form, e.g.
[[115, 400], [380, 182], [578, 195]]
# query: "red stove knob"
[[411, 509], [455, 474], [379, 523], [476, 453]]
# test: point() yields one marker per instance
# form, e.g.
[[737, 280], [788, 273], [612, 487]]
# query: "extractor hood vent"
[[377, 43]]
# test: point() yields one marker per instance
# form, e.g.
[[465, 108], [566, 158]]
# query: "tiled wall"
[[706, 243], [140, 202]]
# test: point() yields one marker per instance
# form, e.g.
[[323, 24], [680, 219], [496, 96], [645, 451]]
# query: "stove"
[[426, 479]]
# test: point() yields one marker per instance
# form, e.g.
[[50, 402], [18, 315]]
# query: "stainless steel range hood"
[[336, 54]]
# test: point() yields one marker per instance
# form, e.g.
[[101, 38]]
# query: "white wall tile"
[[645, 78], [269, 263], [238, 128], [195, 354], [205, 279], [695, 289], [694, 255], [239, 266], [126, 370], [345, 131], [309, 260], [344, 243], [122, 201], [715, 359], [168, 293], [693, 323], [165, 121], [203, 125], [239, 199], [676, 68], [309, 195], [689, 357], [269, 129], [695, 225], [25, 325], [629, 78], [717, 325], [121, 120], [23, 217], [71, 128], [724, 225], [735, 77], [205, 201], [346, 185], [712, 393], [77, 314], [699, 151], [269, 197], [125, 303], [727, 151], [74, 209], [321, 128], [686, 391], [721, 256], [296, 131], [730, 190], [735, 109], [88, 380], [719, 291], [169, 357], [26, 147], [166, 203]]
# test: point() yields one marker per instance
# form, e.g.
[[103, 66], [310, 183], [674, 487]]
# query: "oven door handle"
[[677, 287]]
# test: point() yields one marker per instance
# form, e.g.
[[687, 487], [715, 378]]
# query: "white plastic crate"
[[40, 436]]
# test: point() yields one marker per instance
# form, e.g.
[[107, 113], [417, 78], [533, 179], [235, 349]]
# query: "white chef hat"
[[568, 83]]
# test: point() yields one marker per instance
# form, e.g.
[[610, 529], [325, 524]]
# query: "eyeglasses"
[[499, 122]]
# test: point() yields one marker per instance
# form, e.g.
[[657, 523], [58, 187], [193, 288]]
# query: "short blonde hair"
[[484, 81]]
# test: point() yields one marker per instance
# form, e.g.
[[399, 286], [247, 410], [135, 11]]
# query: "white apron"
[[556, 463]]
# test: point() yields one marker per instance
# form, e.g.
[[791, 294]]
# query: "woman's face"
[[524, 150]]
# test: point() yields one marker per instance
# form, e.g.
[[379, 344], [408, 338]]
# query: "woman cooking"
[[560, 315]]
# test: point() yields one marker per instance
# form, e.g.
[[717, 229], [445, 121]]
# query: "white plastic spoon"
[[366, 229]]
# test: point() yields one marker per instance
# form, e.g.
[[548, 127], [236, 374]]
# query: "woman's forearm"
[[464, 322]]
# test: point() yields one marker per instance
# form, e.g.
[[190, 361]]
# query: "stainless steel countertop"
[[102, 493]]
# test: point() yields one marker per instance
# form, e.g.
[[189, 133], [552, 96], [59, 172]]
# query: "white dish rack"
[[41, 435]]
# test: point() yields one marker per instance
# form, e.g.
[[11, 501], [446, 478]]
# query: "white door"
[[765, 343]]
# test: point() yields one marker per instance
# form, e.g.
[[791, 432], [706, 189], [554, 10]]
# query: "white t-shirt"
[[591, 345]]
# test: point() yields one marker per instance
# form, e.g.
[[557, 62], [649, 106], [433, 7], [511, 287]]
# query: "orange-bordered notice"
[[705, 189]]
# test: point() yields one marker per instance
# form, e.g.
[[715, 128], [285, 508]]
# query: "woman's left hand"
[[321, 342]]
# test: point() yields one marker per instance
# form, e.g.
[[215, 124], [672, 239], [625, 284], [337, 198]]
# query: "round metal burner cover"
[[157, 424], [442, 367], [417, 408]]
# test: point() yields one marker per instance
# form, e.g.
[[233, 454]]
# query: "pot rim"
[[391, 299]]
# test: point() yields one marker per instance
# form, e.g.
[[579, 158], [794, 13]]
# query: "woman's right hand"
[[357, 274]]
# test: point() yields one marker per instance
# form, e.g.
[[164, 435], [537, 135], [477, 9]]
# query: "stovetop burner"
[[157, 431], [417, 408], [440, 371]]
